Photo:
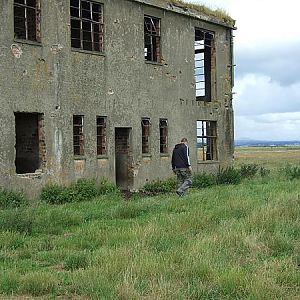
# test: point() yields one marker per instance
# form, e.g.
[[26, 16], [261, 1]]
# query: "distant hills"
[[245, 142]]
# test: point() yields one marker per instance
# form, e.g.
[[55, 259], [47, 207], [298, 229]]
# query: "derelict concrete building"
[[105, 88]]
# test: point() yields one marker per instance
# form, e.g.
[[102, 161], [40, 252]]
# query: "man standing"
[[181, 166]]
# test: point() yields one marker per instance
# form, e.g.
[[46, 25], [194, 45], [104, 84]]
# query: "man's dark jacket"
[[180, 156]]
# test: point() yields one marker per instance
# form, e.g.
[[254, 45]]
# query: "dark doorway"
[[123, 158], [30, 150]]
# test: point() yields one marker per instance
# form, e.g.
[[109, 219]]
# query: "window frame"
[[82, 43], [208, 140], [101, 138], [146, 131], [152, 50], [205, 42], [80, 135], [163, 136], [33, 23]]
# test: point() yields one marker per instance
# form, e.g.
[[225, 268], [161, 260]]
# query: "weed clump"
[[17, 220], [292, 172], [204, 180], [264, 172], [229, 175], [76, 261], [249, 170], [11, 199], [160, 186], [82, 190]]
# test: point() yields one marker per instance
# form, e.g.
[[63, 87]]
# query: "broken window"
[[207, 140], [146, 135], [101, 136], [27, 19], [163, 134], [86, 25], [30, 142], [152, 39], [204, 43], [78, 136]]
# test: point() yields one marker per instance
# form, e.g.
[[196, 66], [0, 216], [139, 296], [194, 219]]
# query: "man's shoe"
[[180, 194]]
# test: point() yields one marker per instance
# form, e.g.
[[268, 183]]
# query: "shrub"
[[292, 172], [160, 186], [229, 175], [203, 180], [55, 194], [264, 172], [107, 187], [82, 190], [10, 199], [249, 170]]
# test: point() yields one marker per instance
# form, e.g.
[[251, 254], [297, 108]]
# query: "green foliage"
[[129, 210], [11, 199], [19, 220], [82, 190], [249, 170], [107, 187], [76, 261], [203, 180], [229, 175], [160, 186], [264, 172], [38, 283], [56, 194], [9, 283], [210, 245], [292, 172], [218, 13]]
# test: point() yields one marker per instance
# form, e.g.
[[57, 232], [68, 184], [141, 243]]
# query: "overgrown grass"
[[82, 190], [220, 14], [11, 199], [220, 242]]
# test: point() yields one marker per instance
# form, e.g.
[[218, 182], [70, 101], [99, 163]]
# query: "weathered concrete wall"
[[57, 81]]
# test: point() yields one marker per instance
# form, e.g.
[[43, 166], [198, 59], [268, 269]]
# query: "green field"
[[222, 242], [272, 157]]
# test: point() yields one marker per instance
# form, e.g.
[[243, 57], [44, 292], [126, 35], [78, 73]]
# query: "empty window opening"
[[30, 142], [207, 140], [86, 25], [152, 39], [101, 136], [163, 133], [78, 136], [146, 135], [204, 43], [27, 20]]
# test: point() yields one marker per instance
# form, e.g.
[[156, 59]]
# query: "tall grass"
[[220, 242]]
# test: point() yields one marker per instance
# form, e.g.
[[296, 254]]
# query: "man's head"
[[184, 141]]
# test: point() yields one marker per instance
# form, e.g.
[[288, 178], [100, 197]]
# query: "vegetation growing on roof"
[[220, 14]]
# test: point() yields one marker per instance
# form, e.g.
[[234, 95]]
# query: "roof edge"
[[197, 11]]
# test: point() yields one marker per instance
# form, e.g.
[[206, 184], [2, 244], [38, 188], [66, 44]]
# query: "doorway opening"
[[30, 142], [123, 156]]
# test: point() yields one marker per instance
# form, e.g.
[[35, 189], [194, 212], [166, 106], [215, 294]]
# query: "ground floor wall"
[[52, 144]]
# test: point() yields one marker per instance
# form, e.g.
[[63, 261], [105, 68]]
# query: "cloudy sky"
[[267, 78]]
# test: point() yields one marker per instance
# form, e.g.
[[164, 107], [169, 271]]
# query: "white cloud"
[[286, 118], [278, 127], [258, 94], [261, 22], [267, 103]]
